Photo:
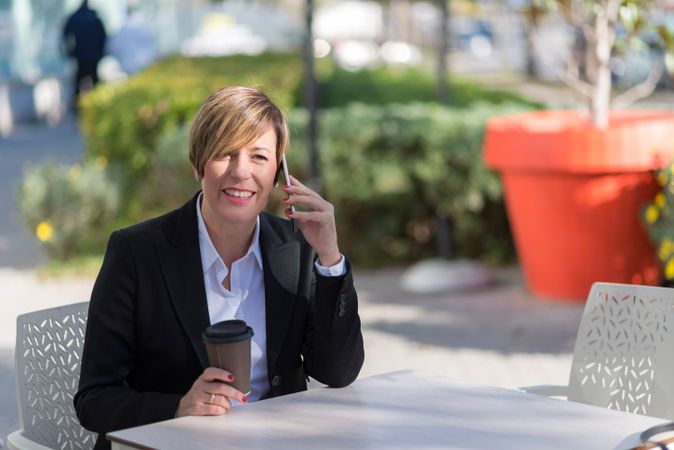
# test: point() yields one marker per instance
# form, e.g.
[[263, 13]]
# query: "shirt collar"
[[208, 253]]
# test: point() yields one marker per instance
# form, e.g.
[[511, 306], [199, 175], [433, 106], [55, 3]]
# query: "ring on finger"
[[211, 399]]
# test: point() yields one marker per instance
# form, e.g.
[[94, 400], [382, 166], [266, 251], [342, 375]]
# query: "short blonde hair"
[[230, 118]]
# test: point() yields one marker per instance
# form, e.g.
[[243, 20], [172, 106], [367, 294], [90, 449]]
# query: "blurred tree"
[[597, 23], [532, 14]]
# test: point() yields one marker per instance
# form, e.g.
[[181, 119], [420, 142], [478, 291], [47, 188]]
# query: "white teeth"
[[238, 194]]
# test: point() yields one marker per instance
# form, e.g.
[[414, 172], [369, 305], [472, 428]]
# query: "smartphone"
[[286, 175]]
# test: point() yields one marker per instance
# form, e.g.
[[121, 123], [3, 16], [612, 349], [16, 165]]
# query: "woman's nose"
[[239, 168]]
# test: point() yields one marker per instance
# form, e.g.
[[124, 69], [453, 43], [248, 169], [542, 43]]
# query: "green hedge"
[[123, 122], [71, 209], [339, 87], [388, 170]]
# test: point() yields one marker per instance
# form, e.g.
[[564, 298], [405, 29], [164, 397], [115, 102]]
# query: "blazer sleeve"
[[104, 402], [333, 350]]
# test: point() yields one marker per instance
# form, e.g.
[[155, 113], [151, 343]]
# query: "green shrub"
[[659, 218], [339, 87], [170, 181], [388, 170], [375, 160], [71, 209], [123, 122]]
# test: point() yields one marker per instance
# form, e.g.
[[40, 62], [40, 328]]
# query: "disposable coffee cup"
[[228, 347]]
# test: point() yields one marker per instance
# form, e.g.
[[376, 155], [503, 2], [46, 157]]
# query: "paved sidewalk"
[[497, 335]]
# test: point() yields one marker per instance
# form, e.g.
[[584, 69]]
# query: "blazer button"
[[276, 380]]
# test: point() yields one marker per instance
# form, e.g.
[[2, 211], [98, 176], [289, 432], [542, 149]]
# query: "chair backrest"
[[624, 353], [48, 354]]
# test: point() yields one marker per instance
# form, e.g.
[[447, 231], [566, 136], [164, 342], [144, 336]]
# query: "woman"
[[219, 257]]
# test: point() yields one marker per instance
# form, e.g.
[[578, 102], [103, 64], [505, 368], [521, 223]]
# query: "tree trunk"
[[531, 68], [602, 45], [530, 20]]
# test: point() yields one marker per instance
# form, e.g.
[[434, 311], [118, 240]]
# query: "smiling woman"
[[220, 257]]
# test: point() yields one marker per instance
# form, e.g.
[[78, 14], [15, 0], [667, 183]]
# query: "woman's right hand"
[[209, 395]]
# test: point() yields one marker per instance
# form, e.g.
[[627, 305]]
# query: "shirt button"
[[276, 380]]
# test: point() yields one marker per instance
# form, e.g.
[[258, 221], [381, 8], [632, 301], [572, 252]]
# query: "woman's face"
[[237, 186]]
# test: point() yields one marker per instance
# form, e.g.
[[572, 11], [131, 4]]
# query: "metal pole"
[[444, 237], [311, 98], [443, 94]]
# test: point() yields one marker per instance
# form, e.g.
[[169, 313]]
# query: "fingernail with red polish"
[[244, 399], [285, 199], [230, 377], [290, 213]]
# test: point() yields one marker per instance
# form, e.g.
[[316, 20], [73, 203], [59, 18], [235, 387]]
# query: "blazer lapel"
[[281, 279], [180, 262]]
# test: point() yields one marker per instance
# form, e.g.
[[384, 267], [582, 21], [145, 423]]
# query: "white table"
[[398, 410]]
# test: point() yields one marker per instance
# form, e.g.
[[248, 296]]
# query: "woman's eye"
[[260, 157]]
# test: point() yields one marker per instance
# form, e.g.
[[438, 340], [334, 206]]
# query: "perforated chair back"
[[48, 354], [624, 353]]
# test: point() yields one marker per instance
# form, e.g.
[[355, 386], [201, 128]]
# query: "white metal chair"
[[624, 353], [48, 354]]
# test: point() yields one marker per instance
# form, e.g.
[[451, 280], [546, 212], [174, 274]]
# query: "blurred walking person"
[[84, 39]]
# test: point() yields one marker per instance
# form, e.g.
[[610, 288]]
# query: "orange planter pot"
[[574, 195]]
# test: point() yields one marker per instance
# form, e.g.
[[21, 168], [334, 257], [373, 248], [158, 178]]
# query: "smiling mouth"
[[243, 195]]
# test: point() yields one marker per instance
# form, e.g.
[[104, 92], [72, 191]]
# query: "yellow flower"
[[652, 214], [662, 178], [44, 231], [660, 200], [101, 163], [669, 269], [74, 172]]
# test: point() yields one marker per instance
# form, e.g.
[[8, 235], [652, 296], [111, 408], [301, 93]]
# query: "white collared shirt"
[[245, 299]]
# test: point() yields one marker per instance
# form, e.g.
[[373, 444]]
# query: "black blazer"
[[143, 349]]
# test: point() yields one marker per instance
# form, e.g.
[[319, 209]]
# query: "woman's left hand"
[[318, 224]]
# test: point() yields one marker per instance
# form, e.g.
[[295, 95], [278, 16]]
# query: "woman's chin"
[[242, 216]]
